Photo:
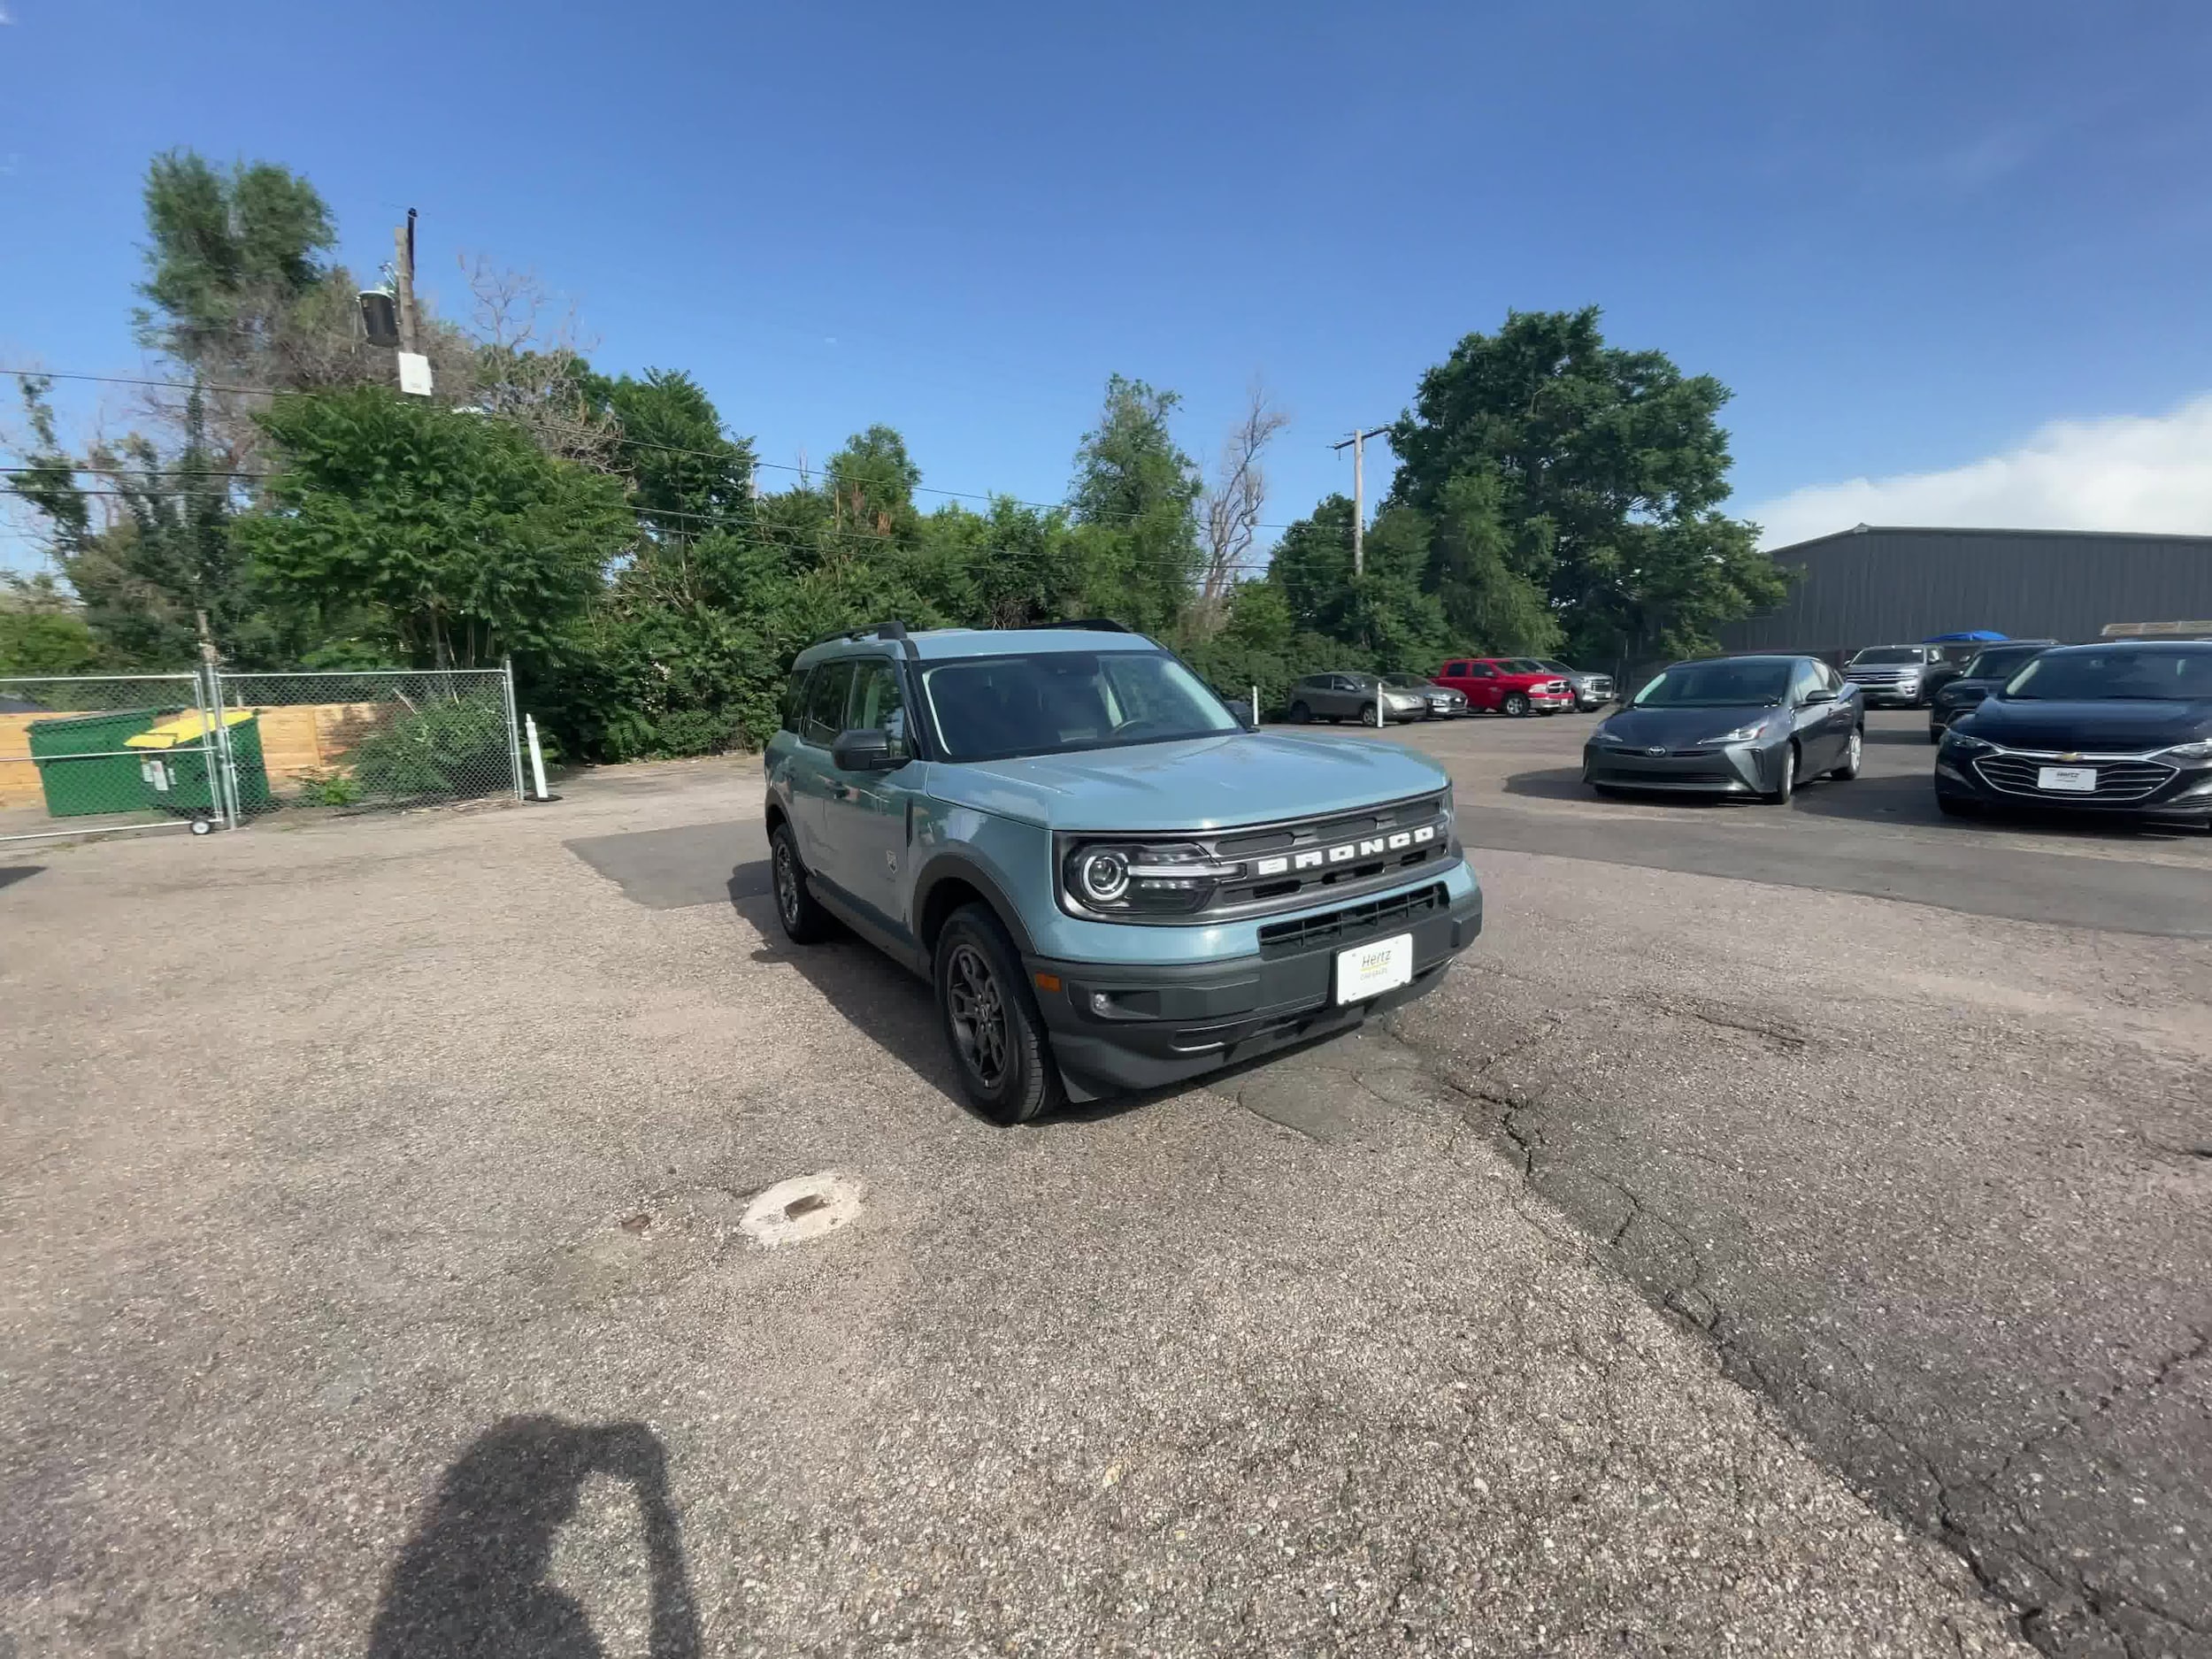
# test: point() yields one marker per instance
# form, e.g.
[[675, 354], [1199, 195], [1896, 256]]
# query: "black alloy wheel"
[[991, 1022], [803, 918]]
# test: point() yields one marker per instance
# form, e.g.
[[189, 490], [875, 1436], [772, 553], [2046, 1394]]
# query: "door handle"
[[841, 791]]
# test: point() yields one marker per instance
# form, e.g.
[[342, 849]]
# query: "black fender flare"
[[955, 867]]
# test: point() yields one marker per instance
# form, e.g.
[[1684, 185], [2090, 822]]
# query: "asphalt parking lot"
[[1784, 1233]]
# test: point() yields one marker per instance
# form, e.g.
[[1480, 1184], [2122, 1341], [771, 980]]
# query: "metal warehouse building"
[[1877, 585]]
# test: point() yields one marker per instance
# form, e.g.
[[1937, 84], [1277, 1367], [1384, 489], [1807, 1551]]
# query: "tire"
[[804, 920], [1781, 797], [1853, 757], [1367, 715], [990, 1020], [1516, 704], [1299, 714]]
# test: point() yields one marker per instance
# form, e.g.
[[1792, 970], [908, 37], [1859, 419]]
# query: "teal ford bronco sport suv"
[[1111, 883]]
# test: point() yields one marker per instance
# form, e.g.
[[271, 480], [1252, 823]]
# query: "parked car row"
[[1516, 686], [2123, 726]]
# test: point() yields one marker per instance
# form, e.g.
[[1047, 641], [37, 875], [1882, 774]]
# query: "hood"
[[2115, 725], [1677, 729], [1203, 784]]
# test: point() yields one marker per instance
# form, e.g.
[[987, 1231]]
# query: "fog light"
[[1101, 1003]]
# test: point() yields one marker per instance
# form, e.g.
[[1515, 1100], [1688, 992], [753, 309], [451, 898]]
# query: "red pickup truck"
[[1506, 685]]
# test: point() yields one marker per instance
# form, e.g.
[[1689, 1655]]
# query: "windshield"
[[1889, 653], [989, 708], [1720, 685], [2148, 672], [1411, 682], [1550, 667], [2002, 664], [1524, 666]]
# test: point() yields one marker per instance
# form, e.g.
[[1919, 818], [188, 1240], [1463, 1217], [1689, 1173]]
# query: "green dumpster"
[[83, 763], [173, 769]]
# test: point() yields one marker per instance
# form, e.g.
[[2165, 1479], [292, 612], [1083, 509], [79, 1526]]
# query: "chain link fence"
[[87, 754]]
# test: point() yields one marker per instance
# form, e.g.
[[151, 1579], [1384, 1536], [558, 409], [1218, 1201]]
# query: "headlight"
[[1958, 742], [1742, 735], [2201, 750], [1120, 878]]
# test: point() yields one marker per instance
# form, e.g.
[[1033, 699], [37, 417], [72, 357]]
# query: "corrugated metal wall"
[[1877, 586]]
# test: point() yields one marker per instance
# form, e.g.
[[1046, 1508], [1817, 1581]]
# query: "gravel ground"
[[374, 1285]]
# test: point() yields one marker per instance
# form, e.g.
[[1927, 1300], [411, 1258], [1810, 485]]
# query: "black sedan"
[[2124, 727], [1756, 726], [1990, 668]]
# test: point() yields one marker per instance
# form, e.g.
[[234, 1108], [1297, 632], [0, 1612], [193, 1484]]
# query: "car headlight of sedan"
[[1142, 878], [2188, 753], [1956, 744], [1748, 734]]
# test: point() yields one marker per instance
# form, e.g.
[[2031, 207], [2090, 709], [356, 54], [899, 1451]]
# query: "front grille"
[[2117, 780], [1380, 846], [1353, 921]]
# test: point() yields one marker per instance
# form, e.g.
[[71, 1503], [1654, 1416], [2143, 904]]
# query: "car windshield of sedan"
[[1890, 654], [1717, 686], [2147, 673], [1050, 703], [1406, 682]]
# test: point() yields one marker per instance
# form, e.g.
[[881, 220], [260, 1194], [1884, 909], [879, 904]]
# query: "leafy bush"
[[327, 788], [440, 748]]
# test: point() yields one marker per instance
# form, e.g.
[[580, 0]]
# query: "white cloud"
[[2120, 472]]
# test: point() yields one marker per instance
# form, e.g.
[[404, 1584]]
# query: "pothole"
[[806, 1207]]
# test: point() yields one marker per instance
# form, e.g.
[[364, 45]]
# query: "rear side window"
[[794, 705], [1456, 668], [825, 696]]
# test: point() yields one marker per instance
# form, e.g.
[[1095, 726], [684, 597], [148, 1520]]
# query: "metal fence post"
[[514, 735], [223, 771]]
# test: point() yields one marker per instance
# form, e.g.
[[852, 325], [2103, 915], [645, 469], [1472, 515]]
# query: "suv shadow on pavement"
[[895, 1011]]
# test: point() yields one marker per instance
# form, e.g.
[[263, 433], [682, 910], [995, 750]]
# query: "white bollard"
[[537, 756], [1255, 705]]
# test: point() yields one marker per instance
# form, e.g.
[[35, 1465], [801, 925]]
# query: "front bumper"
[[1738, 769], [1551, 700], [1162, 1024], [1885, 694]]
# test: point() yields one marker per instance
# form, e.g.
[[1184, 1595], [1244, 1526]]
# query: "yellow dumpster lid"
[[187, 729]]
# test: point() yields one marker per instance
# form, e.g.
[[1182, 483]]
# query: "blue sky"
[[1909, 236]]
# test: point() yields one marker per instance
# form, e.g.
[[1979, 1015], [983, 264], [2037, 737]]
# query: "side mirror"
[[1823, 695], [864, 748]]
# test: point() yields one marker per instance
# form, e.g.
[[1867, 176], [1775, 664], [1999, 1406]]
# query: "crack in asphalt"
[[2048, 1597]]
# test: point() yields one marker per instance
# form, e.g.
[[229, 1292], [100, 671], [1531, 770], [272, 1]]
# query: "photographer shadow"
[[470, 1584]]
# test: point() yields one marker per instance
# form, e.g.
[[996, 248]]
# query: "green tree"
[[41, 631], [464, 539], [871, 483], [1134, 502], [1600, 472], [687, 475], [227, 255]]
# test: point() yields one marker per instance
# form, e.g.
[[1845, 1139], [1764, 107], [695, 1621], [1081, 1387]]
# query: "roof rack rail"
[[1092, 625], [893, 630]]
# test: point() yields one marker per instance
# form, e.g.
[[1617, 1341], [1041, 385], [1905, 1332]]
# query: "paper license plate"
[[2080, 780], [1367, 971]]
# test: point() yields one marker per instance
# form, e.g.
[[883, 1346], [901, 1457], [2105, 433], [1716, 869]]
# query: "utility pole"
[[1357, 443], [414, 368]]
